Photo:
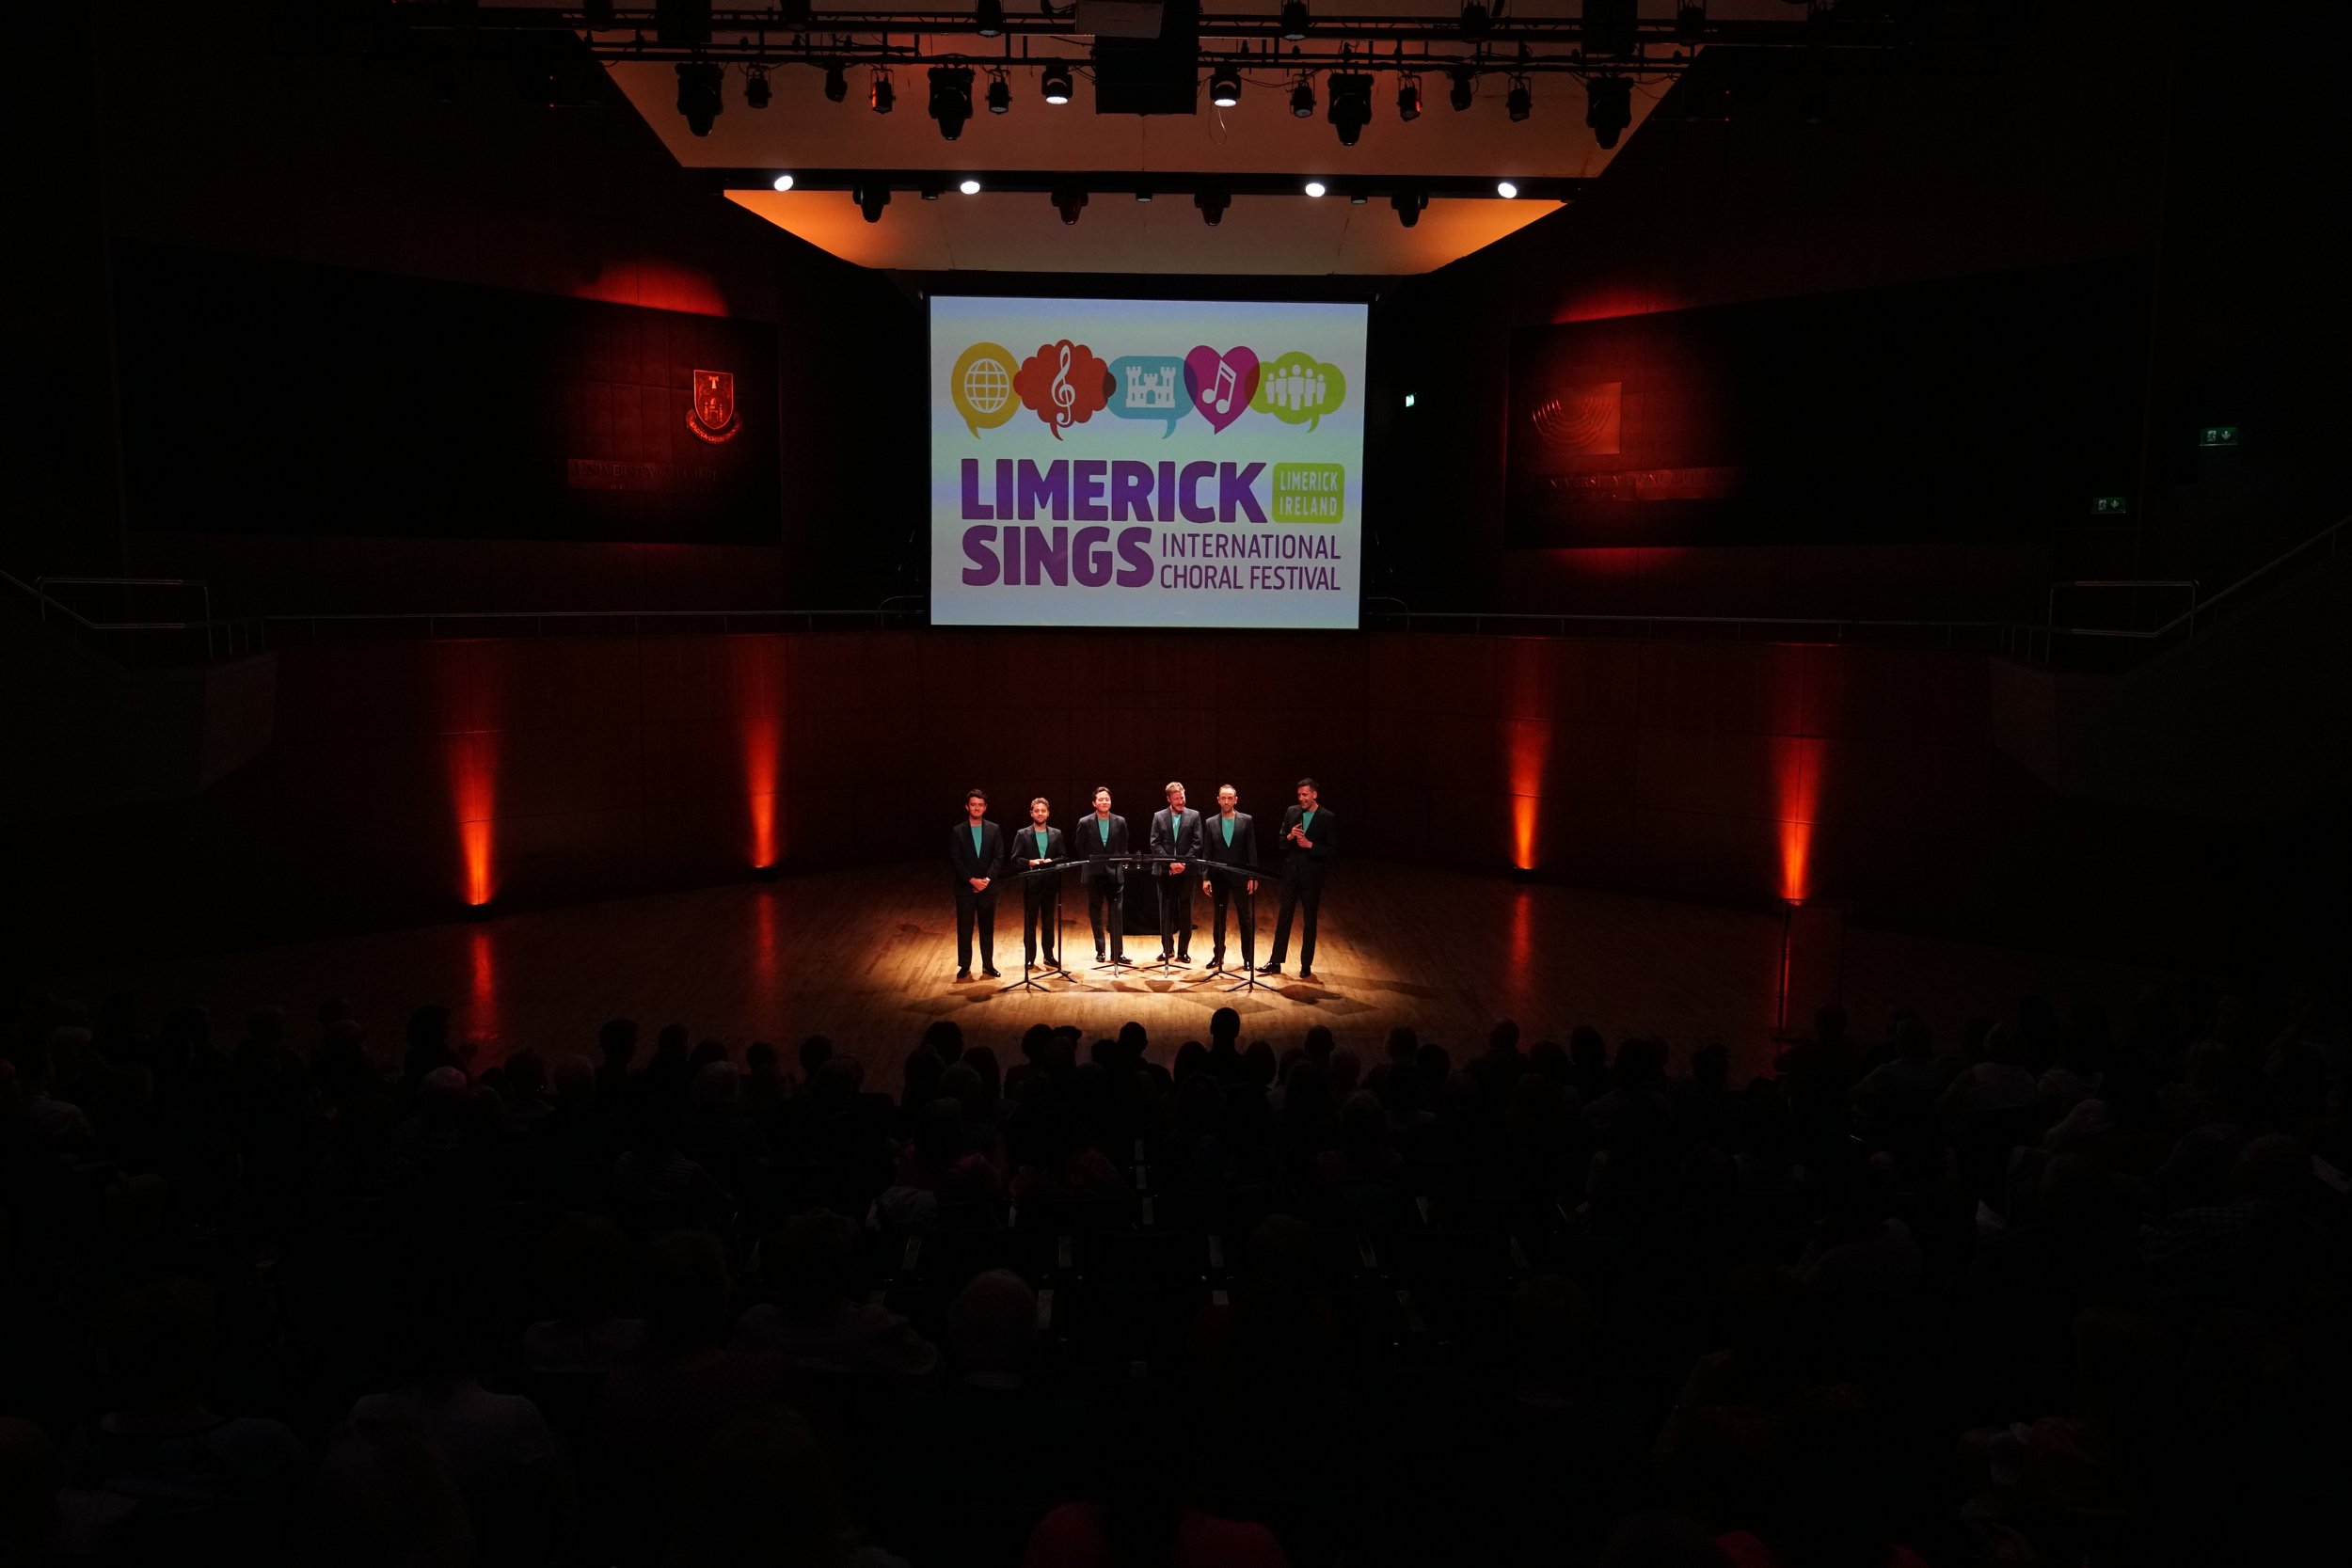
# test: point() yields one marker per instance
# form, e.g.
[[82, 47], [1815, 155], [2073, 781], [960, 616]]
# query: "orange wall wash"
[[472, 716], [754, 665]]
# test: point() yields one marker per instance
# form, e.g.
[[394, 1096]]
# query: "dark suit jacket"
[[990, 862], [1179, 837], [1025, 849], [1245, 850], [1306, 866], [1090, 846]]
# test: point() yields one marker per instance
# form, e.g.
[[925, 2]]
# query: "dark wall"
[[2028, 137]]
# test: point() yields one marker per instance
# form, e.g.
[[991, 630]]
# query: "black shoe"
[[1270, 968], [1306, 974], [1165, 955], [962, 974], [990, 973], [1216, 960], [1098, 956], [1183, 958], [1122, 962]]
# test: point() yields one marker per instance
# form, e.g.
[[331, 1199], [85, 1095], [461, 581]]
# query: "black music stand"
[[1028, 980], [1245, 913]]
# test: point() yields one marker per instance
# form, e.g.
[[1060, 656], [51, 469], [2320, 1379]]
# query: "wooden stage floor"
[[867, 956]]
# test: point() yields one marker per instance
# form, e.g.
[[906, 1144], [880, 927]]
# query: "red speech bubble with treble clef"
[[1063, 384]]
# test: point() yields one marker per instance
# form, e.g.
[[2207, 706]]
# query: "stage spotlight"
[[1313, 187], [951, 99], [1070, 201], [1212, 200], [989, 18], [836, 82], [1408, 99], [1143, 192], [1465, 87], [1476, 18], [1054, 83], [1521, 101], [1351, 105], [999, 94], [1225, 86], [1294, 20], [1608, 107], [793, 13], [698, 95], [679, 22], [882, 96], [756, 93], [1303, 97], [969, 186], [784, 181], [1507, 190], [1408, 203], [870, 200], [1690, 21]]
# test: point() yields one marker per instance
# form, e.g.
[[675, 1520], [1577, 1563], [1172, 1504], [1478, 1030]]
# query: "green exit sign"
[[2218, 436], [2107, 506]]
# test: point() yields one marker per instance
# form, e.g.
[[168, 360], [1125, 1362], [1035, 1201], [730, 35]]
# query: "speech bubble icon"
[[1150, 387], [981, 386], [1298, 389]]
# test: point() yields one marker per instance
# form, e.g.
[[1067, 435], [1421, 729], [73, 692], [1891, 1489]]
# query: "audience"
[[2062, 1291]]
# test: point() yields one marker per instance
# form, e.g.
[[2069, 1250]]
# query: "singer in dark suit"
[[1309, 830], [1231, 838], [976, 853], [1033, 846], [1098, 834], [1176, 832]]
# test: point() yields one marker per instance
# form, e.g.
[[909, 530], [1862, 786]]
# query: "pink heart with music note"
[[1221, 385]]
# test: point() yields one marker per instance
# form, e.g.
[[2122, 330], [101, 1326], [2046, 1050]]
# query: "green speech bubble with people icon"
[[1298, 389]]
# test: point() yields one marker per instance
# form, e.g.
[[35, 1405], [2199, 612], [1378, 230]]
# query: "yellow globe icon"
[[981, 386]]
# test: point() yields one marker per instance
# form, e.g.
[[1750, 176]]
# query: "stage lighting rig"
[[870, 200], [1054, 83], [698, 97], [1476, 18], [999, 92], [1608, 107], [1690, 21], [1408, 97], [757, 93], [1070, 201], [1303, 96], [1225, 86], [836, 82], [951, 99], [989, 18], [1609, 27], [1212, 200], [1520, 100], [1351, 105], [1294, 20], [1463, 89], [1410, 203], [882, 97]]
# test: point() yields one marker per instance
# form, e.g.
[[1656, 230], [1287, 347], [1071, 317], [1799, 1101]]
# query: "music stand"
[[1028, 980], [1246, 914]]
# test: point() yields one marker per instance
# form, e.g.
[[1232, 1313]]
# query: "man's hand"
[[1253, 884], [1037, 862], [980, 884], [1305, 842], [1205, 888], [1177, 869]]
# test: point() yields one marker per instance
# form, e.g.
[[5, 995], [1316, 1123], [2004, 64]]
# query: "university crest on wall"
[[710, 405]]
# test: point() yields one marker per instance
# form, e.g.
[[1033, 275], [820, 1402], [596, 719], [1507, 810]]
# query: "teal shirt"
[[1307, 823], [1228, 831], [1103, 823], [976, 840]]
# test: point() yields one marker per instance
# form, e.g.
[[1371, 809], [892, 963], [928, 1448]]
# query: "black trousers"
[[1296, 896], [1176, 916], [1224, 891], [979, 908], [1039, 910], [1107, 907]]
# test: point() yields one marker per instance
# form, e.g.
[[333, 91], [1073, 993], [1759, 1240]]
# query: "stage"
[[867, 956]]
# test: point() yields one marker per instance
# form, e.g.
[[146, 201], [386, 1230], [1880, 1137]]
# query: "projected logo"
[[982, 388], [1221, 385], [1298, 389], [1063, 384], [710, 405], [1150, 387]]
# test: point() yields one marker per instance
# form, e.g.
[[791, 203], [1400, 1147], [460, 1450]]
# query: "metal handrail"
[[208, 624]]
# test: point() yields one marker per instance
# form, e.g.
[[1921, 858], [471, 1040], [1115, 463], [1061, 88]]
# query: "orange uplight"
[[759, 781], [655, 284], [1796, 767], [754, 668], [473, 792]]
